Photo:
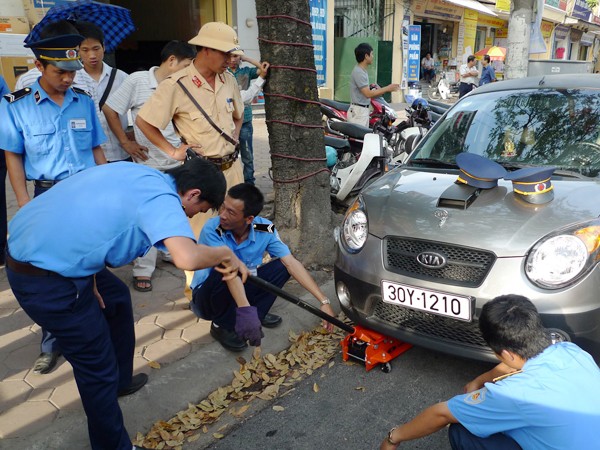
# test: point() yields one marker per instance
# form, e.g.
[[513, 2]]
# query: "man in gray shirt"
[[360, 94]]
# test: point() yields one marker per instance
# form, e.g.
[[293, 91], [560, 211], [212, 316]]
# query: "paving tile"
[[176, 319], [26, 418], [16, 339], [7, 311], [40, 395], [151, 319], [12, 393], [147, 333], [199, 333], [23, 357], [172, 334], [62, 373], [167, 351], [66, 396]]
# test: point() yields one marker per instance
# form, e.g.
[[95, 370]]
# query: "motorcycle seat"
[[337, 143], [336, 105], [351, 129]]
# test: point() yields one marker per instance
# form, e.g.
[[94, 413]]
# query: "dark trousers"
[[462, 439], [99, 343], [247, 151], [213, 301], [464, 89], [429, 74], [48, 344]]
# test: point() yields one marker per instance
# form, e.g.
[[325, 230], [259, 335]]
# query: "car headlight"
[[355, 227], [564, 257]]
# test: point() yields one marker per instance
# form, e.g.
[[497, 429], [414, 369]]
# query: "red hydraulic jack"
[[367, 346]]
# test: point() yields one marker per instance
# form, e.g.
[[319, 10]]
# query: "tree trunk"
[[519, 32], [300, 177]]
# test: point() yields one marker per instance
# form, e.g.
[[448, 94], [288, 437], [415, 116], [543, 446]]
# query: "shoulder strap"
[[111, 80], [206, 116]]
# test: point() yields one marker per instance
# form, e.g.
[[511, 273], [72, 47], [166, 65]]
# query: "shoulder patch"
[[17, 95], [476, 397], [81, 91], [264, 227]]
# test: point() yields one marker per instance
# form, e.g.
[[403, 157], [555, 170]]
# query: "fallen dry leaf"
[[154, 364], [316, 387], [278, 408]]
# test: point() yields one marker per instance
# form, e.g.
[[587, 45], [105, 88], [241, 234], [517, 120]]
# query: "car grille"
[[465, 266], [464, 333]]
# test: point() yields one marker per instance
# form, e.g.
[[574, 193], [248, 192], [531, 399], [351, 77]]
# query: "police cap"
[[478, 171], [533, 184], [60, 51]]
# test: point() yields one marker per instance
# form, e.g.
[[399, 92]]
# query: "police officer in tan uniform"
[[216, 92]]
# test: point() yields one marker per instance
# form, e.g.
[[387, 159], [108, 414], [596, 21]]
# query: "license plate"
[[434, 302]]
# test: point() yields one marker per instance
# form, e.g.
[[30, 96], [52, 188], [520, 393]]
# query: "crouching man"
[[540, 396], [240, 228]]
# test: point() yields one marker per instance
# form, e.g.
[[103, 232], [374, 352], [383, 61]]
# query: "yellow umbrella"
[[496, 53]]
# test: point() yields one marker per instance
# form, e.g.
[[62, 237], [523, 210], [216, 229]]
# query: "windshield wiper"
[[431, 162]]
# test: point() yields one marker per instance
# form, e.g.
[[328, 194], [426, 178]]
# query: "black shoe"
[[227, 338], [45, 362], [271, 321], [137, 382]]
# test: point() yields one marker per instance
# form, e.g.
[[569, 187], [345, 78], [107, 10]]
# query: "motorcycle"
[[443, 89], [412, 130], [380, 109]]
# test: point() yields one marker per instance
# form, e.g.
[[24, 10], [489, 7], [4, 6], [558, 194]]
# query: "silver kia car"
[[420, 252]]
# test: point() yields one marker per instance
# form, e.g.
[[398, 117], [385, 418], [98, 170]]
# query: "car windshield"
[[534, 127]]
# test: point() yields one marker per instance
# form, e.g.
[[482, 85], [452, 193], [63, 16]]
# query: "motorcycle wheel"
[[434, 93]]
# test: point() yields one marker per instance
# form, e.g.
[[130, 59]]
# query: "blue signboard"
[[318, 20], [414, 52], [581, 10]]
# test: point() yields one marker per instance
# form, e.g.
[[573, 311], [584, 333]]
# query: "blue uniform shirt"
[[553, 404], [488, 74], [250, 251], [3, 88], [105, 216], [56, 141]]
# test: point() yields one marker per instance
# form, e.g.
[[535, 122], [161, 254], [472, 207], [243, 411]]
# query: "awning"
[[472, 4]]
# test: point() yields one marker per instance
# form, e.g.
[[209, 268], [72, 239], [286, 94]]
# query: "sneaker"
[[227, 338]]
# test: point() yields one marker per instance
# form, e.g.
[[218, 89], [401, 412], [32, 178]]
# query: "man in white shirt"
[[428, 67], [96, 75], [135, 90], [468, 73]]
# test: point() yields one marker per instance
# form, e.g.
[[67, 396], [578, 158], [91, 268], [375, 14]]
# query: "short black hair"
[[198, 173], [90, 30], [486, 58], [361, 51], [253, 199], [470, 58], [179, 49], [54, 29], [512, 322]]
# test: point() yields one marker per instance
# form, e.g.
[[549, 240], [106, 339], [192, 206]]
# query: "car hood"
[[404, 203]]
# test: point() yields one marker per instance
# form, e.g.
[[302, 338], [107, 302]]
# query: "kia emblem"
[[432, 260]]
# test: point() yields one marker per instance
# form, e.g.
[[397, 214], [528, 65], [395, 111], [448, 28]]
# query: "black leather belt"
[[45, 184], [26, 268], [362, 106]]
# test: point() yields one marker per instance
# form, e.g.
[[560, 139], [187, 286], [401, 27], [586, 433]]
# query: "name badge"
[[229, 105], [78, 124]]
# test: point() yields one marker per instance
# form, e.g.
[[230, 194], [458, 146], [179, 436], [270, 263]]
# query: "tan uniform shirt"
[[222, 104]]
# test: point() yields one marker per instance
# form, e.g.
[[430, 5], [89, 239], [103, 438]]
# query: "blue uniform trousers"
[[247, 151], [99, 343], [463, 439], [48, 344], [213, 301]]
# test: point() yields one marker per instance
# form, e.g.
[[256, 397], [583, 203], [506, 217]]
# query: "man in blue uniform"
[[3, 91], [60, 245], [50, 131], [540, 396], [249, 236]]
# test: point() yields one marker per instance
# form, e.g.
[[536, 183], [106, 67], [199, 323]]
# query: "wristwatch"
[[325, 302], [389, 437]]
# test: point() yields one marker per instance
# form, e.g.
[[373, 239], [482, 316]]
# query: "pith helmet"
[[218, 36]]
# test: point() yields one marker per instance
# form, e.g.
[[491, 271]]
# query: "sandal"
[[142, 284]]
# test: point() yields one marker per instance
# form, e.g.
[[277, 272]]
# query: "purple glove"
[[247, 324]]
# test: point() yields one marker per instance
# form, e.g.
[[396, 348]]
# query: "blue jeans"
[[99, 343], [213, 301], [462, 439], [247, 151]]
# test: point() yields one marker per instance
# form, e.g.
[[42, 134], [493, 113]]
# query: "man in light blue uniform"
[[108, 216], [249, 236], [3, 91], [50, 131], [541, 396]]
